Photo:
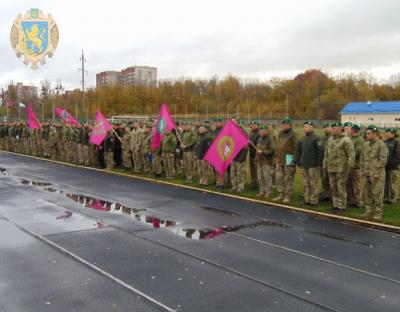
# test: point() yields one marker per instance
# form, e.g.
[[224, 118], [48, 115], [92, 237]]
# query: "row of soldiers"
[[354, 170]]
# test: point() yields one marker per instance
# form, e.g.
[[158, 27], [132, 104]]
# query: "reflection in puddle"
[[34, 183], [2, 169], [117, 208], [65, 216]]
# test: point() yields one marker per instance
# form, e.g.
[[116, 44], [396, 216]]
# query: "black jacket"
[[203, 144], [309, 151], [393, 162]]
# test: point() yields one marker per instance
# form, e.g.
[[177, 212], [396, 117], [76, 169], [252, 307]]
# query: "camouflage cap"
[[372, 128], [347, 124], [391, 130], [326, 125], [309, 122], [287, 120]]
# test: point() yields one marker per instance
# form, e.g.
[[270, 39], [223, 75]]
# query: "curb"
[[325, 215]]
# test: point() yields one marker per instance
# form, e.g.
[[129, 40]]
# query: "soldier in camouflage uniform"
[[238, 166], [25, 136], [11, 137], [347, 128], [146, 149], [219, 180], [53, 138], [254, 135], [135, 145], [202, 146], [45, 139], [339, 159], [325, 195], [273, 135], [284, 157], [265, 161], [188, 143], [375, 158], [66, 153], [85, 144], [392, 167], [309, 155], [355, 180], [168, 146], [126, 151]]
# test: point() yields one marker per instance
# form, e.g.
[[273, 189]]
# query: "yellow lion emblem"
[[35, 37]]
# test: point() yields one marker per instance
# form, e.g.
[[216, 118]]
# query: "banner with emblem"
[[65, 116], [164, 124], [226, 146], [100, 129], [32, 120]]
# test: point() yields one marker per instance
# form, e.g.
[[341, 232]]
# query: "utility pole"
[[82, 69]]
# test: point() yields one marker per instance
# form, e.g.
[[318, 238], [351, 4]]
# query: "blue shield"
[[35, 37]]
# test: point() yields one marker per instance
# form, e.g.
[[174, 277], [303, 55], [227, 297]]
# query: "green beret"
[[254, 122], [372, 128], [309, 122], [326, 125], [347, 124], [263, 127], [392, 130], [220, 119], [286, 120], [356, 127], [337, 124]]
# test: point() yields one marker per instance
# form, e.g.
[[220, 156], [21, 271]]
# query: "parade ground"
[[79, 239]]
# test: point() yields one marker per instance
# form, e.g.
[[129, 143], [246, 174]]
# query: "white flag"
[[21, 105]]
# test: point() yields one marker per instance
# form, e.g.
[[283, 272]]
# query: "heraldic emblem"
[[34, 36]]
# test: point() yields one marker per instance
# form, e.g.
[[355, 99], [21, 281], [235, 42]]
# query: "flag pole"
[[116, 134]]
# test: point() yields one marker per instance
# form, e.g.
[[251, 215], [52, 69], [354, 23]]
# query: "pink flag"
[[100, 129], [32, 120], [226, 146], [65, 116], [164, 124]]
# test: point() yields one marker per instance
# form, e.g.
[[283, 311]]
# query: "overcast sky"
[[199, 39]]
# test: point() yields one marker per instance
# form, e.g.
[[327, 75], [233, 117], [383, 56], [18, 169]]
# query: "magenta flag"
[[32, 120], [66, 117], [100, 129], [226, 146], [164, 124]]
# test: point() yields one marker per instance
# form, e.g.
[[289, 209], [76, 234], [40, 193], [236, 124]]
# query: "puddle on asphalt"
[[174, 226], [35, 183], [2, 170]]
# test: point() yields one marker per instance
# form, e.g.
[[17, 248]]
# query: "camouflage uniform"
[[326, 187], [79, 145], [25, 136], [53, 138], [254, 135], [238, 171], [135, 145], [85, 145], [67, 148], [189, 139], [392, 171], [285, 171], [265, 164], [355, 180], [375, 158], [126, 151], [146, 152], [339, 158], [168, 146]]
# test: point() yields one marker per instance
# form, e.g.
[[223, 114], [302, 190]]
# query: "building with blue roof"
[[382, 114]]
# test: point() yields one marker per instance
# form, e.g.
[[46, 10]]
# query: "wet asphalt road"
[[73, 239]]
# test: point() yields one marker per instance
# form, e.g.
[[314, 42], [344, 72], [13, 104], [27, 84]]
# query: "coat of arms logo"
[[34, 36]]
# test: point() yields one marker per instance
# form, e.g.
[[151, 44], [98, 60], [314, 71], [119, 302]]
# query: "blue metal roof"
[[371, 108]]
